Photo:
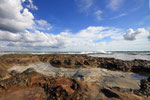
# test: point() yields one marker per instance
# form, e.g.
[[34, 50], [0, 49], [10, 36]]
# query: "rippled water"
[[97, 75]]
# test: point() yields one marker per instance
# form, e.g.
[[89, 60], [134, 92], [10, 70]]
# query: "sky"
[[74, 25]]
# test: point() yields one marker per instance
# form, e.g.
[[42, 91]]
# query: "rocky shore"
[[31, 85], [76, 61]]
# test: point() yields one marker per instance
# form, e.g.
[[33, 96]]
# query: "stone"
[[144, 87], [13, 73]]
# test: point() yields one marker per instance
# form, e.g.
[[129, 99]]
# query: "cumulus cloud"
[[98, 14], [83, 39], [8, 36], [13, 17], [29, 39], [131, 34], [115, 4], [16, 20]]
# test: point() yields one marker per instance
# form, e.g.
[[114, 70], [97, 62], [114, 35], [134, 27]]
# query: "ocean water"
[[123, 55]]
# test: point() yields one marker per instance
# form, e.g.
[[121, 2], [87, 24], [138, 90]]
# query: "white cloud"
[[98, 32], [132, 35], [98, 14], [84, 40], [140, 44], [43, 25], [32, 40], [13, 17], [115, 4], [81, 40], [15, 20], [30, 5], [23, 0], [8, 36], [42, 22]]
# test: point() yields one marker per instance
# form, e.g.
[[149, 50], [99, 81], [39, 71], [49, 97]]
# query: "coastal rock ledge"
[[30, 85], [76, 61]]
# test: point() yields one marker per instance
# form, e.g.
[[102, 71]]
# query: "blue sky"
[[74, 25], [73, 14], [66, 14]]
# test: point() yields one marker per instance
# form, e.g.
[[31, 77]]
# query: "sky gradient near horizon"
[[74, 25]]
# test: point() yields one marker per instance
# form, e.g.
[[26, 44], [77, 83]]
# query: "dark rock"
[[78, 63], [144, 87], [148, 79], [13, 73], [86, 63], [109, 93], [55, 62], [67, 61]]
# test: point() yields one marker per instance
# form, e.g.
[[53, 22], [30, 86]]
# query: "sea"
[[123, 55]]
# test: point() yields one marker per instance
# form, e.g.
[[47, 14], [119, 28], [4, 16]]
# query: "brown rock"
[[76, 61], [13, 73], [4, 74], [31, 85]]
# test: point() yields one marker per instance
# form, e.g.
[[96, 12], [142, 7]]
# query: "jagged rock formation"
[[75, 61], [30, 85]]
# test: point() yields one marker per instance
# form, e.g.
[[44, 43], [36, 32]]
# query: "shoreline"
[[86, 73], [77, 61]]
